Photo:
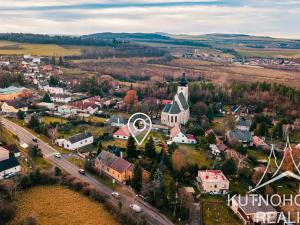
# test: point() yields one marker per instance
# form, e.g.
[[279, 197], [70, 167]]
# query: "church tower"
[[183, 87]]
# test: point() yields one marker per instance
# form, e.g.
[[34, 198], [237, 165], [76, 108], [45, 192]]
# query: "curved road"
[[152, 215]]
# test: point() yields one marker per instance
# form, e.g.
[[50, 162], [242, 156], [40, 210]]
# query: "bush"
[[7, 212]]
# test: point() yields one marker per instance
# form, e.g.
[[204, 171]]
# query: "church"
[[177, 112]]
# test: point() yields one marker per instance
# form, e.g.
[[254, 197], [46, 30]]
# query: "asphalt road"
[[152, 215]]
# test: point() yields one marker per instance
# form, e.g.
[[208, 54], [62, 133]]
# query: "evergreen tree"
[[46, 98], [137, 178], [53, 60], [60, 61], [150, 148], [229, 167], [20, 115], [210, 113], [99, 150], [53, 81], [131, 148]]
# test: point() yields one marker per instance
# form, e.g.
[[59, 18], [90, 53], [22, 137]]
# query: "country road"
[[152, 215]]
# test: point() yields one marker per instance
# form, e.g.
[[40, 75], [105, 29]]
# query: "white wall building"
[[77, 141], [213, 181], [9, 166], [61, 98], [178, 112], [53, 90], [177, 136]]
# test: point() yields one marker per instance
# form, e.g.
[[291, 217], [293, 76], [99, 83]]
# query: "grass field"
[[218, 213], [251, 52], [53, 205], [187, 155], [14, 48], [49, 119]]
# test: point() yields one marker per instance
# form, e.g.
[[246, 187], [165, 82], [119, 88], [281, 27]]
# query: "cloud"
[[173, 16]]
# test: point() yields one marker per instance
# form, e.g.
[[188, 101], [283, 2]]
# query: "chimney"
[[121, 155]]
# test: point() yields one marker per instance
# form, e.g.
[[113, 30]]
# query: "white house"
[[243, 124], [12, 149], [14, 106], [177, 112], [117, 121], [214, 149], [67, 110], [61, 98], [122, 133], [177, 136], [77, 141], [212, 181], [251, 210], [9, 166], [53, 90]]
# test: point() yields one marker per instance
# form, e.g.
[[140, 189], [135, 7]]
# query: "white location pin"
[[139, 126]]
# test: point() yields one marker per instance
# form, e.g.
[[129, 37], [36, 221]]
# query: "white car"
[[135, 208], [115, 194], [57, 155]]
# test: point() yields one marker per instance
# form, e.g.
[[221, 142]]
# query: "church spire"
[[183, 82]]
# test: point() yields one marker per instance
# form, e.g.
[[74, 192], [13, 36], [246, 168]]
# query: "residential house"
[[53, 90], [114, 166], [122, 133], [14, 106], [117, 121], [177, 136], [243, 124], [66, 110], [4, 154], [85, 109], [260, 143], [214, 149], [61, 98], [9, 166], [37, 116], [13, 148], [178, 112], [77, 141], [212, 181], [251, 210], [47, 105], [95, 100], [237, 136]]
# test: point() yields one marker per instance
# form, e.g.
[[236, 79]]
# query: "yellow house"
[[114, 166]]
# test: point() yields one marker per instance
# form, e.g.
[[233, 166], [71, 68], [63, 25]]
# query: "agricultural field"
[[49, 119], [14, 48], [52, 205], [273, 52]]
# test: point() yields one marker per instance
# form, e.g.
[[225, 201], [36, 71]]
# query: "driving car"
[[57, 155], [115, 194], [81, 171]]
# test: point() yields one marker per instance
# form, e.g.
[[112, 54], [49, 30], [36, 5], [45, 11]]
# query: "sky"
[[276, 18]]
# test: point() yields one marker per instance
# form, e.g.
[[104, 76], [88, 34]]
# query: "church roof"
[[174, 109], [183, 101], [183, 81]]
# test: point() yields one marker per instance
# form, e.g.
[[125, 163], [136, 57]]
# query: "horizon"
[[194, 17]]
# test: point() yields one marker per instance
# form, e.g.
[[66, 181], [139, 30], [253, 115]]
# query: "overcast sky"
[[278, 18]]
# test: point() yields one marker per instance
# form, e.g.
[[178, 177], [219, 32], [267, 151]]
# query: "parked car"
[[115, 194], [135, 208], [57, 155], [9, 175], [81, 171], [35, 139]]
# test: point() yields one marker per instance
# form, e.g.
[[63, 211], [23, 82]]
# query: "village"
[[196, 153]]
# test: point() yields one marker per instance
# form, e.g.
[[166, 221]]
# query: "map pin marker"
[[139, 126]]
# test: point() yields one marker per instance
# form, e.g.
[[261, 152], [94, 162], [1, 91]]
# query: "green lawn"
[[187, 154], [49, 119], [217, 212], [96, 131]]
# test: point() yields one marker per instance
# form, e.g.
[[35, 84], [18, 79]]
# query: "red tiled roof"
[[166, 102], [12, 148], [190, 137], [123, 131], [85, 105]]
